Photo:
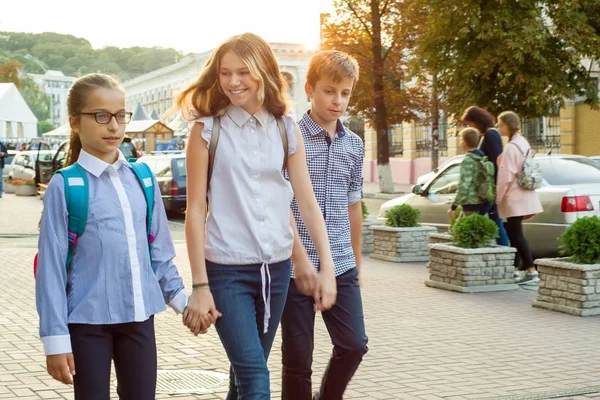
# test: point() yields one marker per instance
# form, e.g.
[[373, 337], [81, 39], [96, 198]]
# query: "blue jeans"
[[238, 295], [346, 326], [1, 182], [502, 239]]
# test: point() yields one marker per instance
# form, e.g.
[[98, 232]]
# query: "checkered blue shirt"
[[335, 168]]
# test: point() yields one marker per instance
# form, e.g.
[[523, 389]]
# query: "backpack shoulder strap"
[[284, 140], [144, 175], [77, 198], [212, 147]]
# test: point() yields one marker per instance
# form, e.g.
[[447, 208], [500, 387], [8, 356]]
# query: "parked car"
[[170, 172], [23, 165], [8, 158], [571, 190], [423, 179]]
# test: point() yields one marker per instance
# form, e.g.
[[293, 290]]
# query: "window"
[[569, 171], [180, 165], [447, 182], [161, 166]]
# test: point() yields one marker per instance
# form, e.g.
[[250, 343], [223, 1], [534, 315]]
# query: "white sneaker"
[[529, 278]]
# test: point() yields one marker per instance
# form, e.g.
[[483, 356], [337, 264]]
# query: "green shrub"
[[474, 231], [457, 215], [402, 216], [365, 210], [581, 241]]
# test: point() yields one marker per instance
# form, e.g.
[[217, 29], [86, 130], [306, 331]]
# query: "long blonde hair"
[[512, 121], [77, 100], [205, 97]]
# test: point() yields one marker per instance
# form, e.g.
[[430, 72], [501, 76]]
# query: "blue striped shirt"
[[335, 168], [110, 280]]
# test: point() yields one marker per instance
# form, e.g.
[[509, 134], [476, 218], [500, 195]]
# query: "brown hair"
[[479, 117], [512, 121], [332, 64], [77, 100], [470, 136], [205, 97]]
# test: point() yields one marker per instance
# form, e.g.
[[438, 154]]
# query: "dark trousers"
[[514, 229], [238, 294], [346, 327], [133, 347]]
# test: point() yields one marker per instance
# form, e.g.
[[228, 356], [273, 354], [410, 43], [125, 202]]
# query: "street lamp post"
[[38, 62]]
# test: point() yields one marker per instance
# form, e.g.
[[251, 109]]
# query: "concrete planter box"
[[9, 188], [488, 269], [367, 236], [401, 244], [569, 288], [436, 237], [25, 190]]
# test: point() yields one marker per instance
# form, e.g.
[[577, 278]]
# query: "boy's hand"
[[451, 214], [326, 292], [61, 367], [305, 277]]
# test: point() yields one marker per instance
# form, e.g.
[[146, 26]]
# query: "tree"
[[378, 34], [520, 55], [38, 101], [10, 71]]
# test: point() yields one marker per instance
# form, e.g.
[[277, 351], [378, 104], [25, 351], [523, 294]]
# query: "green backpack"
[[77, 197], [484, 180]]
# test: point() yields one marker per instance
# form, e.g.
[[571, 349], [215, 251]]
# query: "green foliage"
[[402, 216], [45, 126], [581, 241], [365, 210], [458, 213], [474, 231], [75, 56], [38, 101], [524, 56]]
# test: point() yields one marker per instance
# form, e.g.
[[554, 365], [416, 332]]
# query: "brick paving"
[[424, 343]]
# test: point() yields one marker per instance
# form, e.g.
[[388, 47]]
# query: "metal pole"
[[435, 137]]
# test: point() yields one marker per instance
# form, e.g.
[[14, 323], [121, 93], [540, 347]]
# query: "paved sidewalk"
[[424, 343]]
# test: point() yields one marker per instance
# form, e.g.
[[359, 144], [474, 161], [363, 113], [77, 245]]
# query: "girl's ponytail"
[[74, 149]]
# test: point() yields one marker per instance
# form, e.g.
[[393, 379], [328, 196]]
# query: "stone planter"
[[367, 236], [25, 190], [568, 288], [401, 244], [437, 237], [9, 188], [487, 269]]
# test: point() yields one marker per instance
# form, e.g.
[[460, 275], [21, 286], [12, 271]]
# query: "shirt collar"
[[241, 116], [316, 129], [96, 166]]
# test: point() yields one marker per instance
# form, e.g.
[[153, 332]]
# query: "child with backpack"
[[476, 188], [518, 177], [240, 251], [105, 260]]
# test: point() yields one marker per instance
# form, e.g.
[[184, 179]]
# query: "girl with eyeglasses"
[[100, 306]]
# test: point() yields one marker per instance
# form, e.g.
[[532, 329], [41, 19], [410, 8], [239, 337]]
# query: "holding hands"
[[201, 311]]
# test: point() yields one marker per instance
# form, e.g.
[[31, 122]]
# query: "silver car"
[[571, 190]]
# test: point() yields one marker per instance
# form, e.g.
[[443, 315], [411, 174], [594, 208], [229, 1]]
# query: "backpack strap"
[[144, 175], [284, 141], [212, 147], [77, 198]]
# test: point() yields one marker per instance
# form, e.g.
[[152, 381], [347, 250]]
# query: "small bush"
[[581, 241], [402, 216], [474, 231], [365, 210], [457, 216]]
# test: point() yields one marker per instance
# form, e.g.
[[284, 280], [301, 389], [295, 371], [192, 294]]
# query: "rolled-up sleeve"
[[51, 279], [163, 253], [355, 192]]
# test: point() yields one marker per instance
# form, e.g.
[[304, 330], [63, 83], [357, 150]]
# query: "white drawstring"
[[265, 275]]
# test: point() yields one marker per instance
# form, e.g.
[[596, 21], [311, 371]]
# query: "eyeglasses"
[[104, 117]]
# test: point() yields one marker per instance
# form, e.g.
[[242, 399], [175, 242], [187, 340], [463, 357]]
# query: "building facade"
[[156, 90], [56, 85]]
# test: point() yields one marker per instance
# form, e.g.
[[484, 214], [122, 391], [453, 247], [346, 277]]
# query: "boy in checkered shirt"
[[335, 160]]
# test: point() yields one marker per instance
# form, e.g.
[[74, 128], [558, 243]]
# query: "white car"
[[23, 163]]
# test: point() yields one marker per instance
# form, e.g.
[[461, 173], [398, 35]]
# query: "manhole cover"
[[189, 381], [553, 394]]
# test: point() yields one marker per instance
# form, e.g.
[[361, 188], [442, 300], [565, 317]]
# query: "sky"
[[186, 25]]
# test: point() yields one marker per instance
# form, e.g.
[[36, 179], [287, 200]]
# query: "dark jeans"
[[514, 228], [345, 323], [238, 294], [133, 347], [502, 239]]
